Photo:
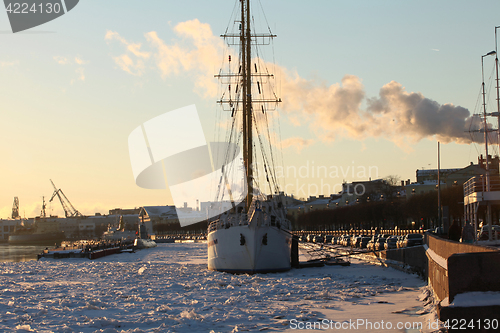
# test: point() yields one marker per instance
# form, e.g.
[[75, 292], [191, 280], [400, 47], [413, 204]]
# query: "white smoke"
[[333, 111]]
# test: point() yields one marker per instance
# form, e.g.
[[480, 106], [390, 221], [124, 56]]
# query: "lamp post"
[[438, 186], [485, 122], [497, 88], [488, 207]]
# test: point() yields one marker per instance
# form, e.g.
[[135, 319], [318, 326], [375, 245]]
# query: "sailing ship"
[[254, 235]]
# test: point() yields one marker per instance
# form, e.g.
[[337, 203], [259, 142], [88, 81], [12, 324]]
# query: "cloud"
[[80, 61], [337, 111], [125, 61], [8, 63], [133, 48], [197, 52], [77, 62], [297, 143], [81, 75], [412, 114], [332, 111], [61, 60]]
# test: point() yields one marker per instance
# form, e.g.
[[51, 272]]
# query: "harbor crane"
[[44, 205], [69, 210], [15, 208]]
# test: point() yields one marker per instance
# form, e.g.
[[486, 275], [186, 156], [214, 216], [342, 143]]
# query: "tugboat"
[[45, 231], [143, 241]]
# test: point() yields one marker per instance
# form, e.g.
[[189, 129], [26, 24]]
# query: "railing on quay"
[[368, 232]]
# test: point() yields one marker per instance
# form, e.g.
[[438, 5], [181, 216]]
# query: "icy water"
[[16, 253], [169, 289]]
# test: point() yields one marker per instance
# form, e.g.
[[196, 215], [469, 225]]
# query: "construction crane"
[[15, 208], [69, 210], [42, 212]]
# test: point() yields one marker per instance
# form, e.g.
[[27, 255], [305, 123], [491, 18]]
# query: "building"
[[427, 179], [432, 174], [313, 203], [157, 217], [126, 211], [368, 191]]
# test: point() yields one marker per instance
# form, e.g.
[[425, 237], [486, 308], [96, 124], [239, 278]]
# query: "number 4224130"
[[24, 8]]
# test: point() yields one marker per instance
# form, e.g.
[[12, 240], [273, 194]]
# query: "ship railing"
[[478, 184], [230, 221]]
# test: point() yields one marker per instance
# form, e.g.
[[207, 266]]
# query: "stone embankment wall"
[[457, 267]]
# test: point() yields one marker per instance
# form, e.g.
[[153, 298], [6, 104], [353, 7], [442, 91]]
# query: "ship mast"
[[245, 37], [243, 99]]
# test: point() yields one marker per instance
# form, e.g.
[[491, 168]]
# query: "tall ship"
[[254, 235]]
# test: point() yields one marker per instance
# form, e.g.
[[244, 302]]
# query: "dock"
[[87, 249]]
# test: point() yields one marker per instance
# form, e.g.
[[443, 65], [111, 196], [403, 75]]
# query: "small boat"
[[140, 243], [143, 241], [119, 233], [44, 232]]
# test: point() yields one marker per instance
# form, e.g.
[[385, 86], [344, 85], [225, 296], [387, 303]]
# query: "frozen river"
[[169, 289], [19, 252]]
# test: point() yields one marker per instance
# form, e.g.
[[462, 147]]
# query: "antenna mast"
[[15, 208]]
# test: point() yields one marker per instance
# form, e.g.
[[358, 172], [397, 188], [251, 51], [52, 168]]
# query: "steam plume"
[[334, 111]]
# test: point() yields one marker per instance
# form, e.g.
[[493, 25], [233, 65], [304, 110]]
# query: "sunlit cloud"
[[198, 52], [332, 111], [61, 60], [81, 75], [8, 63], [297, 143], [80, 61], [77, 62], [124, 61], [134, 48]]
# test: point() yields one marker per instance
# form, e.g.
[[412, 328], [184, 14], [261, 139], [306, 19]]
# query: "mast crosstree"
[[242, 98]]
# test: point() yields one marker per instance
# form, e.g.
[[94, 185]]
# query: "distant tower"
[[42, 212], [15, 208]]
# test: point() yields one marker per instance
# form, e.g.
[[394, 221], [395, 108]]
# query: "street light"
[[485, 123], [488, 208], [498, 91]]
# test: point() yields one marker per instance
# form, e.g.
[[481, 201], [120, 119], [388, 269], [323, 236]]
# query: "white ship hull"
[[265, 249]]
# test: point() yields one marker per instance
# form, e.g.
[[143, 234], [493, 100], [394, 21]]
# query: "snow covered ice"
[[169, 289]]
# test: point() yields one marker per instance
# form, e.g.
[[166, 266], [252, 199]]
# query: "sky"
[[369, 86]]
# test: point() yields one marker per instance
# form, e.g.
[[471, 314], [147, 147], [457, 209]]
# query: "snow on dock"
[[169, 289]]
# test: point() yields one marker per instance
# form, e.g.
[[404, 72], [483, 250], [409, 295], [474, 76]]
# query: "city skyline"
[[74, 88]]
